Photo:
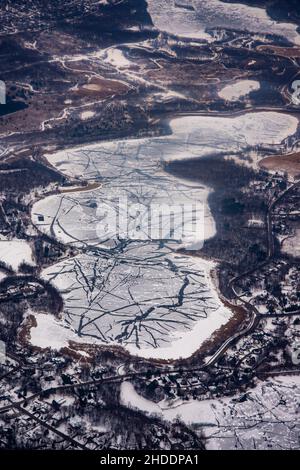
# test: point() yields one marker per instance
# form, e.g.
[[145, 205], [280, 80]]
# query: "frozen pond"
[[151, 301], [129, 287], [196, 19]]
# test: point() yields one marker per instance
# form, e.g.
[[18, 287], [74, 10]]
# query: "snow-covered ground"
[[238, 90], [196, 19], [116, 57], [131, 399], [266, 417], [130, 287], [291, 245], [50, 333], [87, 115], [15, 252]]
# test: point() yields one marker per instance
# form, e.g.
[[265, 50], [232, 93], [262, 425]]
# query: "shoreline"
[[80, 189]]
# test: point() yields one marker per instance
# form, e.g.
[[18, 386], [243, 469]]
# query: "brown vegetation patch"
[[102, 88], [287, 163], [81, 350], [40, 108], [187, 74], [282, 51], [21, 175]]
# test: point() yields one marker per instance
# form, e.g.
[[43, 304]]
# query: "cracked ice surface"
[[141, 294], [197, 18], [132, 171], [265, 417], [145, 298]]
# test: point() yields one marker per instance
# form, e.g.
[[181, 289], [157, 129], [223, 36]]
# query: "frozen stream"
[[129, 287]]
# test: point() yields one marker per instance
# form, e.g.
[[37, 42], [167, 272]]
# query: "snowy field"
[[15, 252], [196, 19], [115, 57], [238, 90], [265, 417], [129, 287], [49, 333]]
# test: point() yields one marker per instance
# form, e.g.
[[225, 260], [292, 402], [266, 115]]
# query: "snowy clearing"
[[15, 252], [87, 115], [49, 333], [116, 58], [238, 90]]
